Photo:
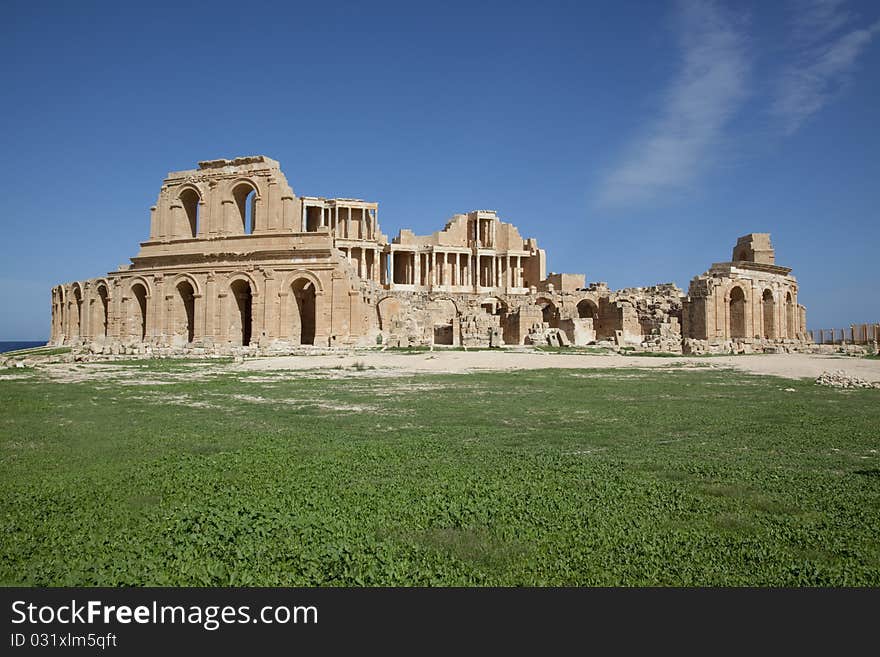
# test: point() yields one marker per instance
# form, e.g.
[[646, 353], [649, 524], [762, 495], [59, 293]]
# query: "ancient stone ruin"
[[237, 262]]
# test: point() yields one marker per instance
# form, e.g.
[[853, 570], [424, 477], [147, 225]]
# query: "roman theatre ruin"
[[236, 262]]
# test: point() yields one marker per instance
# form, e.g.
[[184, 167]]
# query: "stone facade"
[[235, 261], [747, 305]]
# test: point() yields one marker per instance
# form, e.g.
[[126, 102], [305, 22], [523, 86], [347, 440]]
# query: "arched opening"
[[790, 317], [737, 313], [549, 312], [444, 316], [241, 291], [388, 310], [189, 198], [103, 309], [78, 302], [769, 308], [139, 292], [185, 311], [588, 310], [61, 302], [304, 292], [245, 196]]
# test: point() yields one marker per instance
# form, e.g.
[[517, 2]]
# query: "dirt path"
[[793, 366]]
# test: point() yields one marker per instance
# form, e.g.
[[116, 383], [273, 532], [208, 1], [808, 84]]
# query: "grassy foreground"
[[551, 477]]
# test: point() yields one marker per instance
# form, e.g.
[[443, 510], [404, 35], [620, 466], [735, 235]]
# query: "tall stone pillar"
[[391, 269], [204, 227], [274, 205], [287, 212], [229, 218], [155, 229]]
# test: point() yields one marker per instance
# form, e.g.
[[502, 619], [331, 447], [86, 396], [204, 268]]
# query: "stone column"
[[223, 301], [270, 306], [209, 329], [177, 221], [154, 224], [416, 268], [391, 269], [273, 205], [229, 218], [287, 212]]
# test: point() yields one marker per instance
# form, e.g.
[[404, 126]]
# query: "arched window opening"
[[246, 201], [186, 310], [769, 308], [190, 199], [104, 300], [304, 293], [587, 310], [140, 295], [78, 301], [737, 313], [549, 312], [241, 291]]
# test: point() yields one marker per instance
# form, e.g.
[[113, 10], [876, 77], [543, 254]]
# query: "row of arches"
[[75, 314], [787, 327], [243, 197], [141, 315]]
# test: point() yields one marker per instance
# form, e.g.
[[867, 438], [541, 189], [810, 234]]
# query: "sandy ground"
[[792, 366]]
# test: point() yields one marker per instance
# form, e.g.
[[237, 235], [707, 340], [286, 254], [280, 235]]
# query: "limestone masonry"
[[237, 263]]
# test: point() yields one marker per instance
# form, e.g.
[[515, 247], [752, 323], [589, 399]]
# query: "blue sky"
[[635, 140]]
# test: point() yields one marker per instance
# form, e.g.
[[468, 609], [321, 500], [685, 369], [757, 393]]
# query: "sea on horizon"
[[15, 345]]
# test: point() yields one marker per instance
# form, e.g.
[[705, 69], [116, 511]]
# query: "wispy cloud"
[[828, 47], [709, 88]]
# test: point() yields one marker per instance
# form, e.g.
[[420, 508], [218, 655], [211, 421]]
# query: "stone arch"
[[191, 199], [302, 273], [737, 312], [768, 307], [790, 316], [140, 293], [240, 191], [388, 309], [242, 292], [303, 302], [444, 316], [549, 311], [183, 313], [495, 305], [588, 309], [77, 298], [99, 323], [189, 278], [62, 312]]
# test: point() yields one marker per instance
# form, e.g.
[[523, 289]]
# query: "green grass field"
[[176, 473]]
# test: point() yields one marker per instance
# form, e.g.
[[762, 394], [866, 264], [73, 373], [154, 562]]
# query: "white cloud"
[[825, 58], [708, 90]]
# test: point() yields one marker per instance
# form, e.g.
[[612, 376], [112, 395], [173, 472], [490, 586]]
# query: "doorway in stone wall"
[[304, 294], [244, 300]]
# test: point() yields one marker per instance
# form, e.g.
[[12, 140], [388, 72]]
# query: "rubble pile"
[[840, 379]]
